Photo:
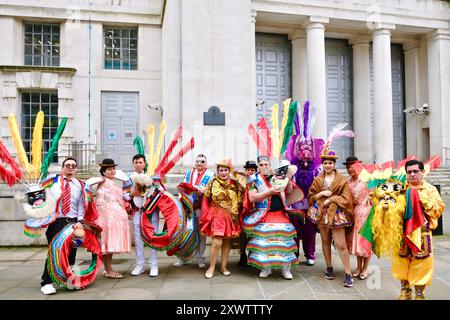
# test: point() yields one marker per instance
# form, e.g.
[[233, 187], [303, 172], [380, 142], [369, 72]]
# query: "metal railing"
[[84, 153], [445, 157]]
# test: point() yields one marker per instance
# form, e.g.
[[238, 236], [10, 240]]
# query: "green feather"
[[289, 125], [139, 145], [54, 146]]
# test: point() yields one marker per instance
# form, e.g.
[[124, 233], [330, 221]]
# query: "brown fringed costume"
[[339, 213]]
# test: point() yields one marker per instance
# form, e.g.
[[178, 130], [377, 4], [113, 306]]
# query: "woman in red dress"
[[220, 215]]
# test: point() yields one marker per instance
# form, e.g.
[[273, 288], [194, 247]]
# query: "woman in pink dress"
[[360, 247], [113, 218]]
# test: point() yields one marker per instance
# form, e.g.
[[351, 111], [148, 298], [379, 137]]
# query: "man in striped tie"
[[70, 208]]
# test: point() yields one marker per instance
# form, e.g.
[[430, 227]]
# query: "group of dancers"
[[283, 199]]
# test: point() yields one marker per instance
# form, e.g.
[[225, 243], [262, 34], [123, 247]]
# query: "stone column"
[[384, 132], [299, 66], [412, 97], [361, 99], [439, 90], [316, 80], [253, 14]]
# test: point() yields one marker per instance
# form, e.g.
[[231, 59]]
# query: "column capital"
[[411, 45], [297, 34], [253, 14], [316, 21], [360, 40], [438, 34], [383, 25], [379, 32]]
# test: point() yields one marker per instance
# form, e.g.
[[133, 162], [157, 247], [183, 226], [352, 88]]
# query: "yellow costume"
[[417, 269]]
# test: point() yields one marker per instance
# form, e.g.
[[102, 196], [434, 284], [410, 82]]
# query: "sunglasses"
[[200, 161], [413, 171], [73, 166]]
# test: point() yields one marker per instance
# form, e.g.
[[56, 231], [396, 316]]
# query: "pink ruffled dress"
[[361, 209], [113, 218]]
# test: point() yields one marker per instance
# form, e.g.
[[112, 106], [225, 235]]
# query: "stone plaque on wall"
[[214, 117]]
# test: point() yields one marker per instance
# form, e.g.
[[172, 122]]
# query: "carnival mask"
[[36, 199], [388, 193]]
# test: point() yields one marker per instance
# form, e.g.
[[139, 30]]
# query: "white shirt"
[[77, 209]]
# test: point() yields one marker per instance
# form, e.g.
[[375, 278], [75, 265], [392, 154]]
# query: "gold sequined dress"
[[220, 209]]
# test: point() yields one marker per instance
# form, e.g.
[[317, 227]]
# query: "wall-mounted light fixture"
[[419, 110]]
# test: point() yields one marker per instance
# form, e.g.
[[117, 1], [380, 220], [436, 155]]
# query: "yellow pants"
[[418, 272]]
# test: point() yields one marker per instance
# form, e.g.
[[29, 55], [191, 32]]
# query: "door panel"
[[273, 77], [120, 118]]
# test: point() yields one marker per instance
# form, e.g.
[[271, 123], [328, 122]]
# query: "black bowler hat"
[[108, 163], [250, 164], [351, 160]]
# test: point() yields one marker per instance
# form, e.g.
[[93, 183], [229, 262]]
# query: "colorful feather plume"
[[176, 137], [13, 174], [36, 146], [23, 159], [53, 148], [139, 145], [289, 127]]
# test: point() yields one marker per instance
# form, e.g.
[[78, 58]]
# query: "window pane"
[[47, 29], [37, 60], [116, 64], [133, 33], [133, 64], [133, 54], [28, 60], [37, 28], [116, 54], [125, 43], [35, 97], [54, 98], [28, 39], [26, 97], [116, 43], [28, 28], [108, 42], [55, 61], [125, 33], [133, 44], [28, 49], [45, 98], [55, 29], [108, 64]]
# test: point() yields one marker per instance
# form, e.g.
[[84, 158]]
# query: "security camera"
[[409, 109]]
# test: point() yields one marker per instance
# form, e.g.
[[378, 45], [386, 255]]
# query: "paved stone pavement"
[[21, 269]]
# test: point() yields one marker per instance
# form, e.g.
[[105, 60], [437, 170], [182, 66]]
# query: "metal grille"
[[120, 46], [32, 103], [42, 44]]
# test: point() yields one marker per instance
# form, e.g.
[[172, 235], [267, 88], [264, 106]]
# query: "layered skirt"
[[271, 243], [218, 222]]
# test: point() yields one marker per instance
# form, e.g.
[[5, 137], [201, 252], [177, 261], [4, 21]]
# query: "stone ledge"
[[11, 68]]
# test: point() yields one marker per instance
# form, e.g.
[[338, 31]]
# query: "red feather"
[[434, 162], [169, 151], [9, 177], [166, 168], [265, 131]]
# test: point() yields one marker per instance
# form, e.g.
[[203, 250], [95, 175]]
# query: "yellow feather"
[[36, 146], [151, 139], [286, 104], [162, 133], [275, 133], [12, 123]]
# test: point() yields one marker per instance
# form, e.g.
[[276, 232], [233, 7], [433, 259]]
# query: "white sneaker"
[[180, 263], [265, 273], [286, 273], [137, 270], [48, 289], [153, 271], [201, 264], [310, 262]]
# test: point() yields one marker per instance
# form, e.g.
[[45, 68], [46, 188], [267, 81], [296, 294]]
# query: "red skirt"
[[218, 222]]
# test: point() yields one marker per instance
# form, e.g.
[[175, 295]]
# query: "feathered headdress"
[[376, 175], [159, 169], [272, 143], [335, 133], [38, 168]]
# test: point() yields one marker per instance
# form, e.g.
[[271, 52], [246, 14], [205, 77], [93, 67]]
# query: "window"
[[42, 44], [32, 103], [121, 48]]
